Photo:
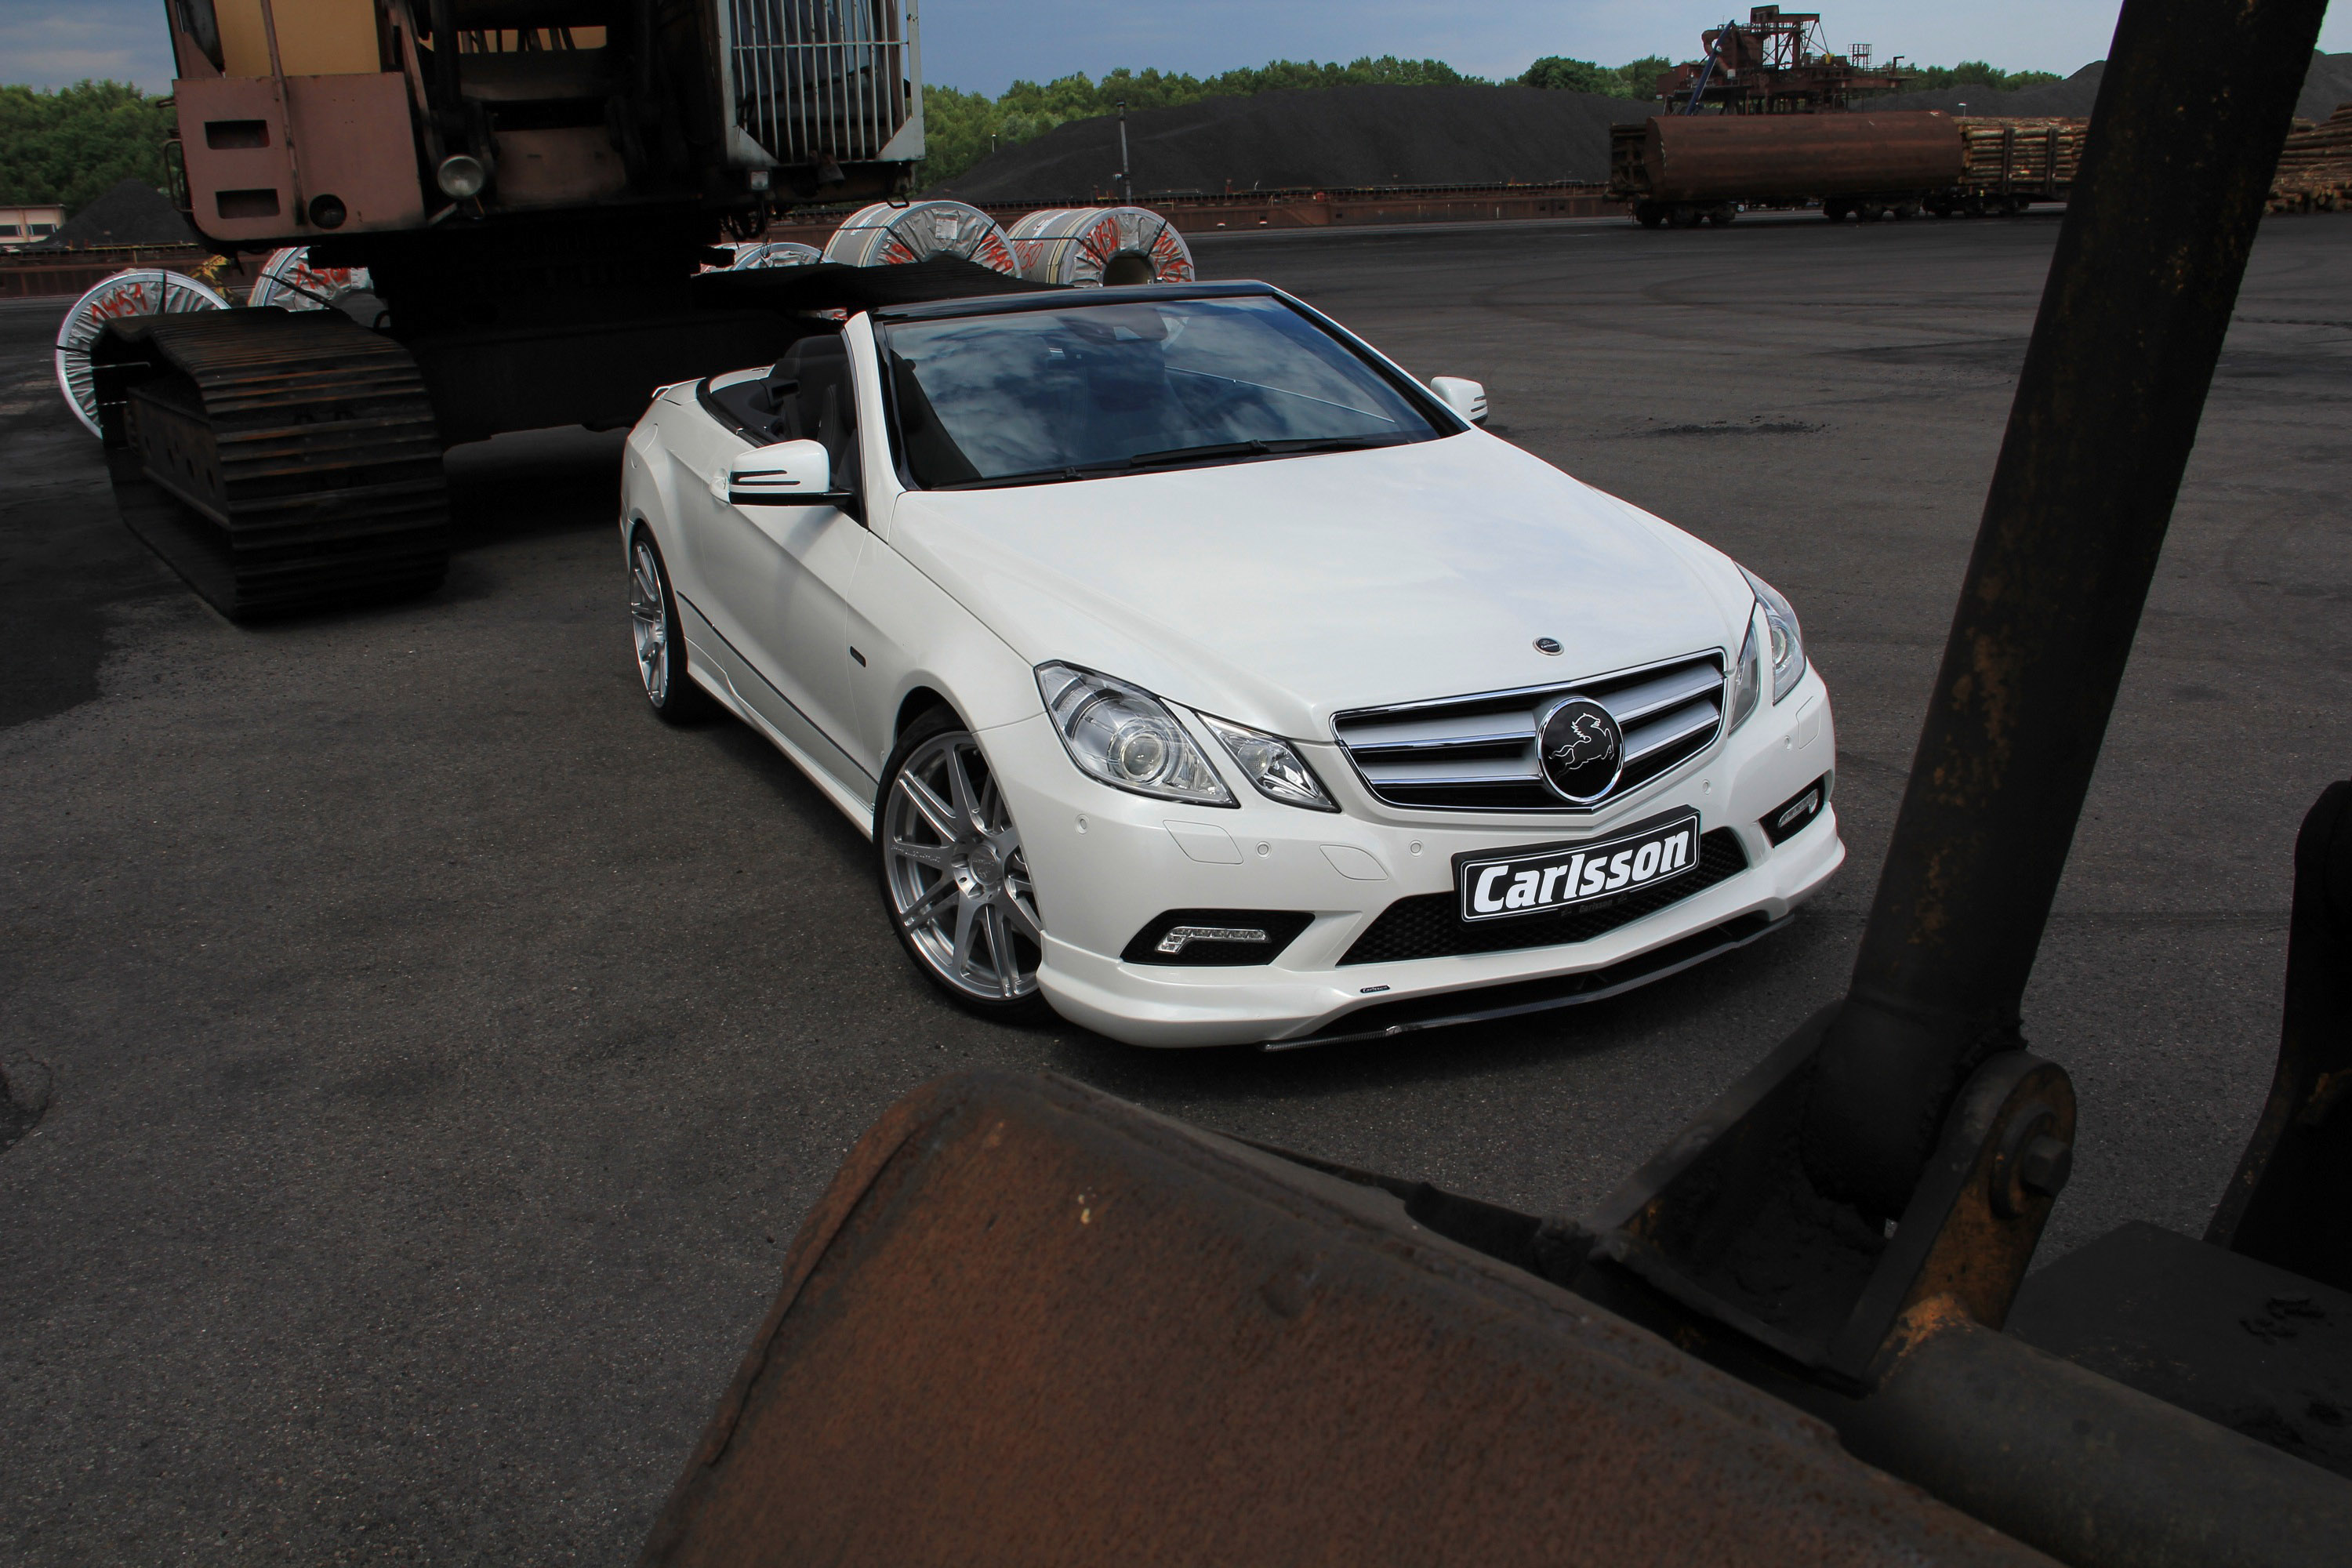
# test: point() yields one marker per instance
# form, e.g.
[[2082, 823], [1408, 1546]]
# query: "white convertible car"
[[1197, 671]]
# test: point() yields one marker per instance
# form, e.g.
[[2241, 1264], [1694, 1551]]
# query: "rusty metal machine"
[[1760, 121], [1029, 1323], [532, 186], [1777, 63]]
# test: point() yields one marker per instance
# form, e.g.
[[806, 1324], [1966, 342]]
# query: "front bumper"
[[1105, 863]]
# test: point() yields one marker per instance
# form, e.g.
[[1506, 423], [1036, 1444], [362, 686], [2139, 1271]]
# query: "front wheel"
[[661, 650], [955, 879]]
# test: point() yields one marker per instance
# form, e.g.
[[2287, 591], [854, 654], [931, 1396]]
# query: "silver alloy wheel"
[[649, 621], [959, 881]]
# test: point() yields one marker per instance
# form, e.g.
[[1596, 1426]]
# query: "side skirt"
[[713, 663]]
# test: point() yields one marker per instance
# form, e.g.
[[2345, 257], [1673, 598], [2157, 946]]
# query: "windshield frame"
[[1442, 421]]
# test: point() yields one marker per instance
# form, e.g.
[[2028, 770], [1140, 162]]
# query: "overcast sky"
[[982, 44]]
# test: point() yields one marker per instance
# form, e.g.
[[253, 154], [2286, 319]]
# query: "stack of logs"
[[2315, 168], [2006, 154]]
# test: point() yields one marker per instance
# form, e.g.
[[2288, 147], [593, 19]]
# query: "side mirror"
[[789, 473], [1465, 397]]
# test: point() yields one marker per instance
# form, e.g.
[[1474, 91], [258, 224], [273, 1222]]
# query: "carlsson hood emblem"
[[1580, 750]]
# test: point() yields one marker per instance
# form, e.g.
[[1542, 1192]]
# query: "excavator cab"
[[534, 187]]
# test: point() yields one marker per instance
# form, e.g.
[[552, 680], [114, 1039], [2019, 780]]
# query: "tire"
[[954, 881], [1649, 214], [1835, 211], [660, 647]]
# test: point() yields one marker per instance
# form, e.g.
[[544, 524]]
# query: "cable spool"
[[139, 291], [775, 253], [1097, 246], [288, 281], [887, 235]]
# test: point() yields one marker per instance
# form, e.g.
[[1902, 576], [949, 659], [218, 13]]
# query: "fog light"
[[461, 176]]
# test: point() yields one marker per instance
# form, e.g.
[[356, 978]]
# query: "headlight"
[[1274, 766], [1747, 679], [1120, 734], [460, 176], [1788, 643]]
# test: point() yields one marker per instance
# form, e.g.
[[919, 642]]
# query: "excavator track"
[[279, 461]]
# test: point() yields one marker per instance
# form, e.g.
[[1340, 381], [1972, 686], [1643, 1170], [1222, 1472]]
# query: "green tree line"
[[1634, 79], [68, 145], [1972, 73]]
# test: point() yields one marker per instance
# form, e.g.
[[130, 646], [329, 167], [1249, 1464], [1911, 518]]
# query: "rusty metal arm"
[[2192, 113], [1904, 1142]]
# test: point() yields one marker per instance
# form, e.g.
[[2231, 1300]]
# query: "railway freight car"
[[1687, 168]]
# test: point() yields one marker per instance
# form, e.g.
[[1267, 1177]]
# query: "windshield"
[[1031, 397]]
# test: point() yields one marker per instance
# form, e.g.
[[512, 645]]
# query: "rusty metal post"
[[2191, 115]]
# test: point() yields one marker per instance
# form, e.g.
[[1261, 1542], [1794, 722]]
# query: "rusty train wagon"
[[1684, 170]]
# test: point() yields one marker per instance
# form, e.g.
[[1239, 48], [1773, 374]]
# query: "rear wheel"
[[661, 650], [955, 878]]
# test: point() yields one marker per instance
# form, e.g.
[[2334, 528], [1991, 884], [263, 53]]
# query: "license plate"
[[1502, 886]]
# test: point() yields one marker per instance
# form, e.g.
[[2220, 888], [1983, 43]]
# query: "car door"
[[778, 577]]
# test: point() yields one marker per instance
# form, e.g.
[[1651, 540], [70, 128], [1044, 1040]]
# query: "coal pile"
[[1321, 138], [2328, 84], [129, 212]]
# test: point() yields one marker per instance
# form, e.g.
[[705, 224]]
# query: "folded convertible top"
[[830, 286]]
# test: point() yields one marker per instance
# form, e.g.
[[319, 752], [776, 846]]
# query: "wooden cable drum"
[[883, 235], [1094, 247]]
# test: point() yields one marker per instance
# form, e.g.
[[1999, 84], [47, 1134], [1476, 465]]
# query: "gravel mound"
[[129, 212], [1316, 137], [2328, 84]]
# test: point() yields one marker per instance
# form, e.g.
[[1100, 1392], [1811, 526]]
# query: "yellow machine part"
[[315, 37]]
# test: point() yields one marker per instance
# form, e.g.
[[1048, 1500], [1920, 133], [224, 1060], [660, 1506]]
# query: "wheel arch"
[[920, 699]]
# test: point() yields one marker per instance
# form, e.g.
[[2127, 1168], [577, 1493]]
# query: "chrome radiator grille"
[[814, 78], [1478, 753]]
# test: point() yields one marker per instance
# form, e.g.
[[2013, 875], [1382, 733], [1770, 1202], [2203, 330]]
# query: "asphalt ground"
[[442, 1051]]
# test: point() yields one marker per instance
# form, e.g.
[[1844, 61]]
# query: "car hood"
[[1280, 592]]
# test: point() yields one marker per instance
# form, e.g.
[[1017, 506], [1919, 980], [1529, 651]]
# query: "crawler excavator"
[[532, 185]]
